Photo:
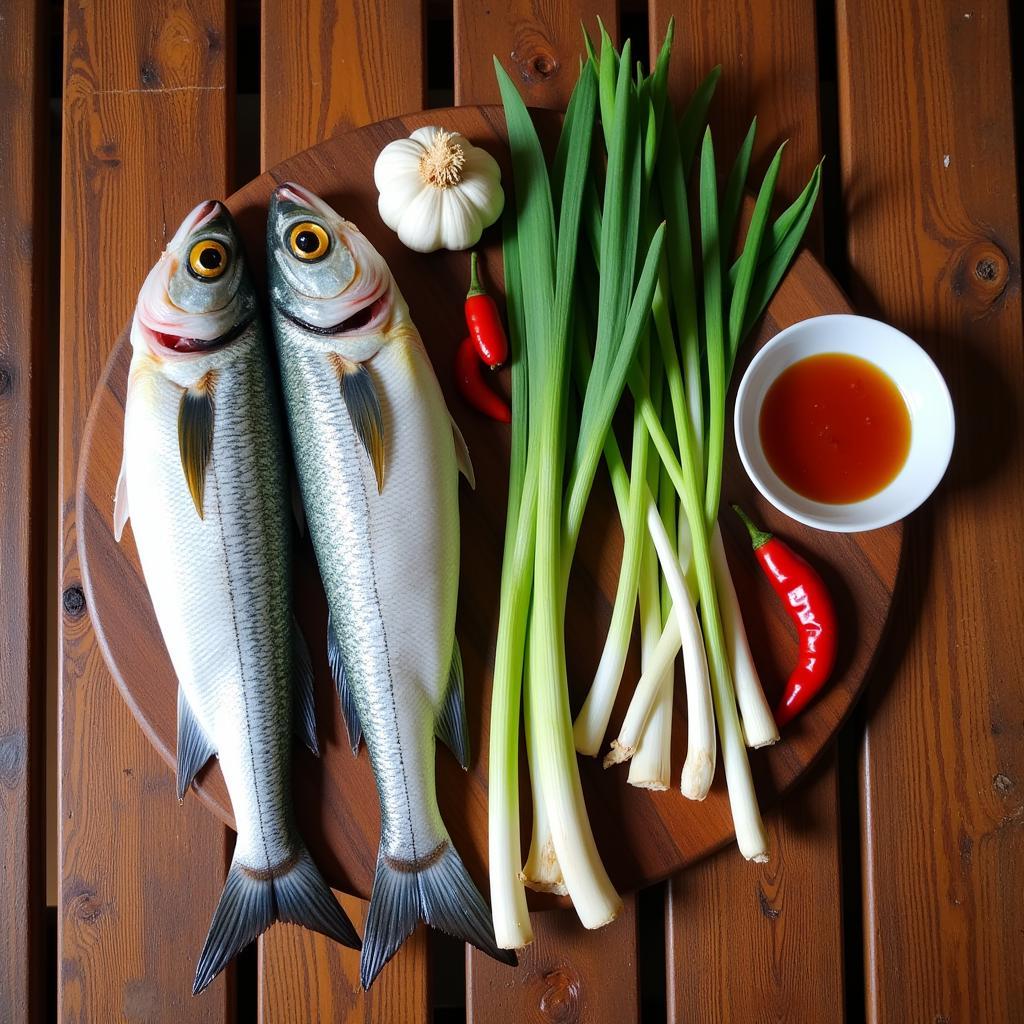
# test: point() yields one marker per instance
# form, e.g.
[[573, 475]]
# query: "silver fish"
[[378, 458], [203, 480]]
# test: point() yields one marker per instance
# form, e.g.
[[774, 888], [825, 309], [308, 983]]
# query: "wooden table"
[[895, 888]]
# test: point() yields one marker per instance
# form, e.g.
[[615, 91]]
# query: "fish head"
[[198, 298], [325, 275]]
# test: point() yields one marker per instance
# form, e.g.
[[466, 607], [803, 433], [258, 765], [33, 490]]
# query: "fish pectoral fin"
[[437, 889], [194, 746], [360, 396], [195, 434], [121, 499], [451, 726], [348, 706], [462, 454], [304, 719]]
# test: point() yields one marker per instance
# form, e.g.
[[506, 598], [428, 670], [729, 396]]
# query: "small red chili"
[[484, 322], [810, 607], [469, 377]]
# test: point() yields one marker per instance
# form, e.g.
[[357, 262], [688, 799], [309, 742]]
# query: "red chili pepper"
[[810, 607], [484, 322], [469, 376]]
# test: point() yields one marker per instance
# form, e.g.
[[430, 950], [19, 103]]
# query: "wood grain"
[[326, 67], [23, 249], [767, 938], [930, 193], [305, 977], [771, 934], [539, 43], [645, 836], [330, 65], [145, 136], [769, 59], [567, 976]]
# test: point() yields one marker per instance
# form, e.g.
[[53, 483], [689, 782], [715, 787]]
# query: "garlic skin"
[[437, 190]]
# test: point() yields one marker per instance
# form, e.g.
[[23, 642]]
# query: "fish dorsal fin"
[[451, 726], [348, 705], [121, 499], [195, 434], [462, 454], [194, 746], [360, 396], [305, 706]]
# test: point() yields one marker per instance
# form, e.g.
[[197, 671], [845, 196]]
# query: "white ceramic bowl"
[[920, 384]]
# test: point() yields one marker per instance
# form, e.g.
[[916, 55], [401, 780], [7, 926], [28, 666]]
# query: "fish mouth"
[[362, 321], [175, 343]]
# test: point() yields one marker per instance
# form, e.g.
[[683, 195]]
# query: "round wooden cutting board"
[[644, 836]]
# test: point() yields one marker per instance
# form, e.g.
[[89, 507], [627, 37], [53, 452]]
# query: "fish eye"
[[308, 241], [208, 259]]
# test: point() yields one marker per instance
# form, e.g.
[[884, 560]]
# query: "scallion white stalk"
[[541, 872], [592, 720], [759, 728], [592, 893], [699, 769], [651, 767], [508, 899], [699, 766]]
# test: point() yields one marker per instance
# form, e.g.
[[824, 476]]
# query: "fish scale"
[[235, 577], [395, 606]]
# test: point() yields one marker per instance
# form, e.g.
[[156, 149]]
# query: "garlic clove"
[[419, 227], [480, 163], [486, 197], [397, 158], [424, 136], [402, 189], [460, 223]]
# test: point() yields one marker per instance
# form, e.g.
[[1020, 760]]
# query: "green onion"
[[593, 312], [508, 897]]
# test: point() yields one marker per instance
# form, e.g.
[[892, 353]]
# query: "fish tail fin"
[[253, 900], [437, 889]]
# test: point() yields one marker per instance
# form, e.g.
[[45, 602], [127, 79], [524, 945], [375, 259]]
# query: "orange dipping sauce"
[[835, 428]]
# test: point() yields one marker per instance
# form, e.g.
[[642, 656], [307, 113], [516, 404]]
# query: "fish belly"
[[219, 587], [390, 565]]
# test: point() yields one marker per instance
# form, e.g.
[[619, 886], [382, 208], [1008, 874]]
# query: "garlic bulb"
[[437, 190]]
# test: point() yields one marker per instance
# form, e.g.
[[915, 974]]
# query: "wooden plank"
[[304, 976], [23, 248], [750, 942], [929, 183], [327, 68], [770, 936], [332, 66], [538, 42], [146, 135], [768, 56], [566, 974]]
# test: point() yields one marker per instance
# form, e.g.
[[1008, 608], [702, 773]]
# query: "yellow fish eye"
[[208, 259], [308, 241]]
